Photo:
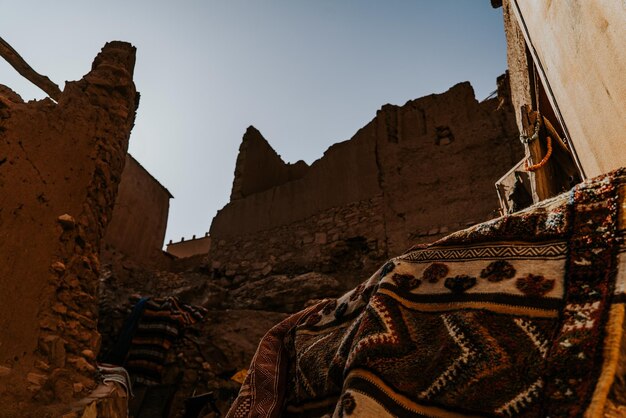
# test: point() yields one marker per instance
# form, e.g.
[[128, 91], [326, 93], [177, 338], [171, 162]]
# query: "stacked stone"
[[318, 243], [91, 123], [108, 94]]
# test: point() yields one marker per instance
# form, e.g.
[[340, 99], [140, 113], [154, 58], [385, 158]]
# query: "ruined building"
[[82, 241], [413, 174], [139, 219], [306, 232], [322, 227], [54, 215], [529, 305]]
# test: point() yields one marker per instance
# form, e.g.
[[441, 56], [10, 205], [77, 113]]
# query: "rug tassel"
[[614, 332]]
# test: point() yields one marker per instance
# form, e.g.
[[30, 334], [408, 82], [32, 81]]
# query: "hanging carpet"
[[517, 317], [159, 327]]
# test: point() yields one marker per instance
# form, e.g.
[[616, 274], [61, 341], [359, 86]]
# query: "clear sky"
[[307, 74]]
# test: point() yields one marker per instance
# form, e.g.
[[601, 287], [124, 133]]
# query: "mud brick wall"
[[425, 169], [60, 165], [439, 157], [139, 219], [346, 239], [259, 168]]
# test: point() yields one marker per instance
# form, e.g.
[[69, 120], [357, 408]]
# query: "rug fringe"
[[614, 330]]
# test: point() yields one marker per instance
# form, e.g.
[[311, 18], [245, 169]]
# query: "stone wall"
[[346, 240], [209, 352], [137, 228], [347, 173], [438, 158], [413, 174], [60, 165]]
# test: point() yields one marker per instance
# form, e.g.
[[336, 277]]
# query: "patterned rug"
[[159, 327], [517, 317]]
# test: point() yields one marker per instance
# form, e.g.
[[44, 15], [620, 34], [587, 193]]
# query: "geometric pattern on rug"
[[515, 317]]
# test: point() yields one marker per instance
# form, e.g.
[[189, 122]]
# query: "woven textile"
[[160, 325], [517, 317], [112, 373]]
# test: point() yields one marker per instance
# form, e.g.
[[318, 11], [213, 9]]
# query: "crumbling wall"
[[345, 240], [260, 168], [139, 219], [438, 158], [347, 173], [60, 164], [207, 353], [414, 173]]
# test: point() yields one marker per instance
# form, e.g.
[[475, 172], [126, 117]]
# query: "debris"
[[67, 221], [36, 378], [58, 267]]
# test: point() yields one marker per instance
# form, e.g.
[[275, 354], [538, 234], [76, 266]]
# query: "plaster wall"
[[139, 221]]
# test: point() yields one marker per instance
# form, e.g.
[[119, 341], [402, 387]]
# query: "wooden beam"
[[544, 184], [21, 66]]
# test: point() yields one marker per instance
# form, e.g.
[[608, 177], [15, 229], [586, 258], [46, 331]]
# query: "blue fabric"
[[117, 355]]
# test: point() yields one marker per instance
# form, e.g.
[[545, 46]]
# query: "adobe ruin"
[[139, 219], [352, 204], [288, 237], [325, 226], [319, 229], [54, 215]]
